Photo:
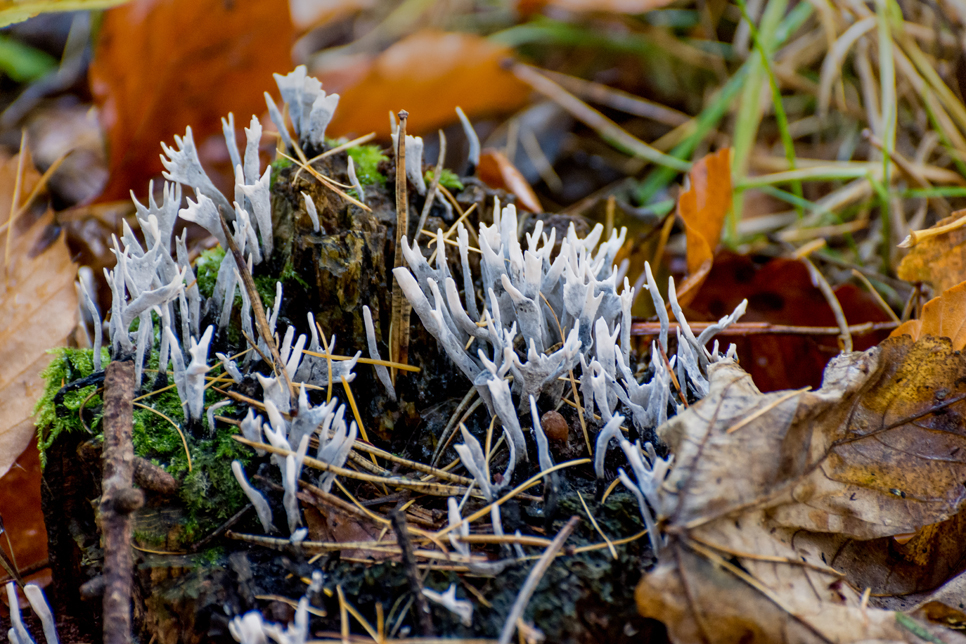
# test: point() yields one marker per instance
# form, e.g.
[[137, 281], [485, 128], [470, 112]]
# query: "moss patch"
[[206, 269], [277, 166], [448, 179], [209, 491], [367, 159], [68, 365]]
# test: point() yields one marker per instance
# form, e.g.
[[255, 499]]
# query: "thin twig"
[[434, 489], [875, 293], [119, 500], [399, 325], [845, 336], [256, 301], [742, 329]]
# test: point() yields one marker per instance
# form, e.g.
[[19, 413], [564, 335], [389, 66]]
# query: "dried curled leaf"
[[38, 307], [763, 479], [496, 171], [939, 260], [943, 317], [703, 208]]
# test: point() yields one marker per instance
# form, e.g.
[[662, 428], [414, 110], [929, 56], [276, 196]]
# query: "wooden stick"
[[249, 283], [118, 500], [399, 326], [740, 329]]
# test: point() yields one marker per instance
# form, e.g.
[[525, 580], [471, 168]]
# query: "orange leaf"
[[161, 65], [703, 208], [428, 74], [943, 316], [496, 171]]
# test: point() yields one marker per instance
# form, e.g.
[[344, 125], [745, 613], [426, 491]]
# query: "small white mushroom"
[[262, 508], [354, 180], [459, 607], [473, 157], [38, 602], [18, 629], [311, 211]]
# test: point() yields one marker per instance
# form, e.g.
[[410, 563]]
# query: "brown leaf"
[[38, 307], [761, 479], [496, 171], [946, 604], [21, 511], [428, 74], [943, 316], [703, 208], [161, 65], [938, 260]]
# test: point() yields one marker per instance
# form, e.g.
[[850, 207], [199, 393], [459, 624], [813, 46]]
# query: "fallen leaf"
[[780, 291], [12, 11], [428, 74], [38, 306], [938, 260], [20, 508], [496, 171], [161, 65], [943, 316], [945, 605], [702, 208], [761, 480]]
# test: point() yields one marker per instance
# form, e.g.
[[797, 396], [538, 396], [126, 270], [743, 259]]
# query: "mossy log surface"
[[191, 577]]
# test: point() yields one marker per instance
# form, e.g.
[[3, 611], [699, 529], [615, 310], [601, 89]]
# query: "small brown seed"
[[555, 426]]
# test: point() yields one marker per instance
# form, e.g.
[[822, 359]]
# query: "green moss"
[[206, 268], [265, 284], [448, 179], [277, 166], [68, 365], [367, 159], [209, 491]]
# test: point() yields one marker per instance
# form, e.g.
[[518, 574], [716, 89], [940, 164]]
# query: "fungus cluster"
[[532, 314]]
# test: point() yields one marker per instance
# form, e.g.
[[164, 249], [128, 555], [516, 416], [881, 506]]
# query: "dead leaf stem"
[[845, 336]]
